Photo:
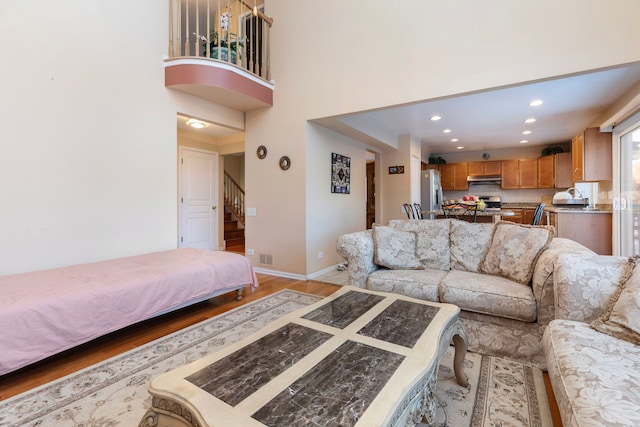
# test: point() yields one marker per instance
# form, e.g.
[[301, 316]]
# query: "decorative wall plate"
[[285, 163], [261, 152]]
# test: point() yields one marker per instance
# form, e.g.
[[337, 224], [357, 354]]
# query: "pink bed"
[[45, 312]]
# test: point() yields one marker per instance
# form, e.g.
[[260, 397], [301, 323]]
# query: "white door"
[[626, 206], [198, 199]]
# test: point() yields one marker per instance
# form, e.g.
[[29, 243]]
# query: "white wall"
[[88, 153], [370, 60]]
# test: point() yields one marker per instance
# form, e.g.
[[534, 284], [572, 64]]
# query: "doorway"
[[371, 193], [626, 207], [198, 213]]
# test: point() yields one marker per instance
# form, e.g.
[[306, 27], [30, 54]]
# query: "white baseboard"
[[295, 276]]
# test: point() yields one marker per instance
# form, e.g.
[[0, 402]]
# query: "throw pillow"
[[622, 317], [469, 244], [514, 250], [432, 241], [395, 249]]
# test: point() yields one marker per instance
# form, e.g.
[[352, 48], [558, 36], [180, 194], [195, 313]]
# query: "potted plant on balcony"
[[219, 47]]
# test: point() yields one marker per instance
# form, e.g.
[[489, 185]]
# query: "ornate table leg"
[[239, 294], [460, 345]]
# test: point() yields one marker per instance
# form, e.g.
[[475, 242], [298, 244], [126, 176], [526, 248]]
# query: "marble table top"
[[351, 359]]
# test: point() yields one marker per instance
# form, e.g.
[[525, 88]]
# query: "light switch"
[[251, 211]]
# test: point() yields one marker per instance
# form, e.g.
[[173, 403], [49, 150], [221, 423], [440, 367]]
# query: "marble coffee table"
[[356, 358]]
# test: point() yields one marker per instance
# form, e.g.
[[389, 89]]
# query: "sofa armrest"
[[585, 283], [357, 249], [543, 276]]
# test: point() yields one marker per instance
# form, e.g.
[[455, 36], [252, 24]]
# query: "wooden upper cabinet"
[[555, 171], [591, 156], [546, 172], [484, 168], [460, 173], [453, 176], [519, 174], [563, 170]]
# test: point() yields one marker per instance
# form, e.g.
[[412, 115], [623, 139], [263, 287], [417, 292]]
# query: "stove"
[[492, 203]]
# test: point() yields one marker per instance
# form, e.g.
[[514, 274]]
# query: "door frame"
[[215, 184]]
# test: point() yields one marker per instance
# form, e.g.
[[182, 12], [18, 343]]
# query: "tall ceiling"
[[491, 119], [495, 119]]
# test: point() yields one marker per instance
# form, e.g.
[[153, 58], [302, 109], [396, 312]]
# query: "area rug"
[[114, 392]]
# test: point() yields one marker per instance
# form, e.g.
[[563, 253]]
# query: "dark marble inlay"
[[401, 323], [336, 392], [235, 377], [342, 311]]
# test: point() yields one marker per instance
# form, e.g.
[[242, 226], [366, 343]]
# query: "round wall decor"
[[261, 152], [285, 163]]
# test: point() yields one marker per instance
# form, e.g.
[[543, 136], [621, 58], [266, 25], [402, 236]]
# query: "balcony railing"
[[231, 32]]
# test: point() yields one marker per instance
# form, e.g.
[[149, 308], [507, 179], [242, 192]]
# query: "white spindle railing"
[[230, 31]]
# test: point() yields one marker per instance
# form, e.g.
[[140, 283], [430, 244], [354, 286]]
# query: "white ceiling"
[[492, 119], [495, 119]]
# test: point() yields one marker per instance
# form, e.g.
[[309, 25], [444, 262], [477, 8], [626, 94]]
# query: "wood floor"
[[137, 335]]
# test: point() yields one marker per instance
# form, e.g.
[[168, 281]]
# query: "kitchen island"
[[590, 227], [467, 215]]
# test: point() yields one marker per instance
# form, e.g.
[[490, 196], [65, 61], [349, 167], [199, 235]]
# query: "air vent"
[[266, 259]]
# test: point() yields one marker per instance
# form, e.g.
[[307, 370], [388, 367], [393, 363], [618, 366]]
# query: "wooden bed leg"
[[239, 294]]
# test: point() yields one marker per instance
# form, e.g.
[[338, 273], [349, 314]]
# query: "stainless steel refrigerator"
[[431, 192]]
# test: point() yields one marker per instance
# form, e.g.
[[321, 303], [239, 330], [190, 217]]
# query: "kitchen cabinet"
[[527, 215], [555, 171], [453, 176], [518, 216], [484, 168], [591, 156], [593, 230], [518, 174]]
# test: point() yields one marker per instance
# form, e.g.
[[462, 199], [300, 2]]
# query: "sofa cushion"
[[585, 284], [486, 294], [622, 317], [393, 248], [432, 241], [469, 244], [514, 250], [421, 284], [595, 377]]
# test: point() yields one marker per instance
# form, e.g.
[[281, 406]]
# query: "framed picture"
[[396, 170], [340, 174]]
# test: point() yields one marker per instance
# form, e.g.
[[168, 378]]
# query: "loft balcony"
[[219, 51]]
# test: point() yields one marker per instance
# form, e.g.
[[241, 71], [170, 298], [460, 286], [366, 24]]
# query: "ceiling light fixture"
[[447, 131], [531, 120], [526, 132], [524, 141], [460, 147], [455, 140], [435, 118], [197, 124], [536, 102]]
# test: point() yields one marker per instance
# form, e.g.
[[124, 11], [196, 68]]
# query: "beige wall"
[[88, 154]]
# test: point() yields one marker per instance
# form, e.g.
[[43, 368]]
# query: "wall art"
[[340, 174]]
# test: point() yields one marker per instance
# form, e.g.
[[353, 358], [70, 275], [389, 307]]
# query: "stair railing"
[[234, 197]]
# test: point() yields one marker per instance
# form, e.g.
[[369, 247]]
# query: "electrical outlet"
[[320, 255], [249, 251]]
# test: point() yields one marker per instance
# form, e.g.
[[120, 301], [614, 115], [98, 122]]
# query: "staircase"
[[233, 234], [233, 215]]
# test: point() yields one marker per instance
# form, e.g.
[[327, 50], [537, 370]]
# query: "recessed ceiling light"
[[447, 131], [536, 102], [524, 141], [531, 120], [526, 132], [455, 140], [197, 124], [435, 118], [460, 147]]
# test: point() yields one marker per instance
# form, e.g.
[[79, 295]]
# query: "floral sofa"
[[593, 347], [500, 275]]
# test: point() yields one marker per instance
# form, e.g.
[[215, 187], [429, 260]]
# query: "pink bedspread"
[[45, 312]]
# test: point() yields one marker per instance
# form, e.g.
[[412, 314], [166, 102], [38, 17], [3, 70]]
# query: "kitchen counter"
[[502, 212], [560, 210]]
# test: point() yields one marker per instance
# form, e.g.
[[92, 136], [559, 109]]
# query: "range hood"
[[484, 179]]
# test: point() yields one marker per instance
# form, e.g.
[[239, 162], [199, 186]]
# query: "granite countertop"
[[597, 210], [519, 205]]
